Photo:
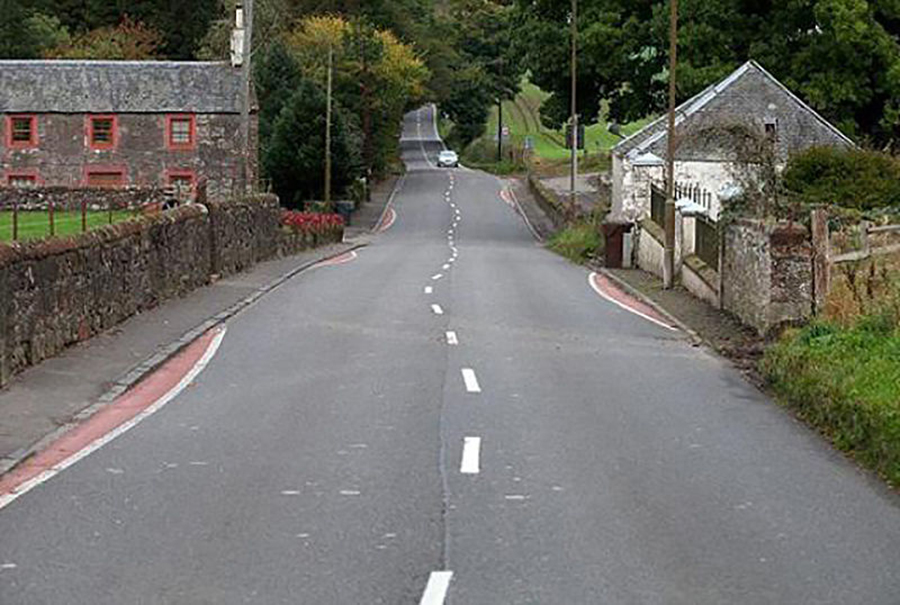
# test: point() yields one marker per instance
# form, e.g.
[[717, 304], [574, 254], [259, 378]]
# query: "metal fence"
[[706, 241], [658, 206]]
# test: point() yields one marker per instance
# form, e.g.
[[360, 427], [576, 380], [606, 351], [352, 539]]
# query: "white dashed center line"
[[428, 289], [470, 457], [452, 338], [471, 380], [437, 309], [445, 267], [437, 277], [437, 587]]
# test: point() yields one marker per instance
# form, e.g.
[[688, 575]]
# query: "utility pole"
[[244, 19], [500, 118], [574, 175], [328, 129], [669, 251]]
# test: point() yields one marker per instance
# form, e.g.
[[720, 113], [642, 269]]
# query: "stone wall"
[[243, 232], [64, 198], [549, 202], [57, 292], [767, 274]]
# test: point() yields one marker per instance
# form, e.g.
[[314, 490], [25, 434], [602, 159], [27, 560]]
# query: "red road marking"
[[339, 260], [608, 290], [126, 407], [389, 218]]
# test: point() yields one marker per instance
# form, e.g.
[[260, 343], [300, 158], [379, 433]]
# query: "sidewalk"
[[47, 399], [711, 326]]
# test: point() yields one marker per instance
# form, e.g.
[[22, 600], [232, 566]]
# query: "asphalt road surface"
[[455, 416]]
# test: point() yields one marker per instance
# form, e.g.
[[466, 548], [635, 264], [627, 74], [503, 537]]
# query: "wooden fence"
[[824, 260]]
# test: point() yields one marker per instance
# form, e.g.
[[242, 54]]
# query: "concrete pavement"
[[342, 447]]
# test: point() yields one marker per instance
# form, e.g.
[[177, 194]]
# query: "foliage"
[[579, 242], [276, 77], [295, 158], [271, 21], [376, 76], [35, 224], [476, 67], [849, 178], [842, 56], [846, 382], [26, 34], [128, 41], [181, 24]]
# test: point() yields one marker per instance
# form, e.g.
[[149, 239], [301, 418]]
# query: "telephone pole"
[[669, 251], [328, 129], [244, 18], [574, 138]]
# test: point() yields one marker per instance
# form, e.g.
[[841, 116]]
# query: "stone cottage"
[[750, 97], [144, 124]]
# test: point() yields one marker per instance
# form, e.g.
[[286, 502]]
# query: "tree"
[[276, 77], [377, 77], [841, 56], [128, 41], [26, 34], [295, 159]]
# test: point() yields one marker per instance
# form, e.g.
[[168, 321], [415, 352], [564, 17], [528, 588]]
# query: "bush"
[[850, 178], [578, 242], [846, 382]]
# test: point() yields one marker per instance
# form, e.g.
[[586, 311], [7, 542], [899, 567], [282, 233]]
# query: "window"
[[22, 131], [182, 182], [771, 129], [102, 132], [106, 178], [22, 181], [180, 132]]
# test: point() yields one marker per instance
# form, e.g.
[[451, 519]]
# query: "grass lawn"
[[35, 225], [522, 117]]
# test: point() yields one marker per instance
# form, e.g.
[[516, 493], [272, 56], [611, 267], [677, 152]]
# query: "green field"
[[522, 116], [35, 225]]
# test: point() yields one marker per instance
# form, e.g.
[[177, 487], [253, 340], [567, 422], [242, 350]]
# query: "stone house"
[[750, 97], [123, 124]]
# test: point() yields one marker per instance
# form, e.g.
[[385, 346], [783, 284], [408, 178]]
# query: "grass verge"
[[579, 242], [36, 224], [845, 381]]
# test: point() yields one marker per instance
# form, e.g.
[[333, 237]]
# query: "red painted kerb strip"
[[123, 409], [609, 290]]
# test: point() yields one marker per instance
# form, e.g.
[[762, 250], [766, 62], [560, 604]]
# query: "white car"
[[448, 159]]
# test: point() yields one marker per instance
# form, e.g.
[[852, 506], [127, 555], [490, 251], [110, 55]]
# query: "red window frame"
[[89, 127], [28, 173], [182, 173], [33, 142], [191, 119], [104, 169]]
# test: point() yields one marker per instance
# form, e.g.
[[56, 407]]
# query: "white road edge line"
[[606, 296], [437, 587], [471, 455], [452, 339], [122, 428], [437, 309], [471, 380]]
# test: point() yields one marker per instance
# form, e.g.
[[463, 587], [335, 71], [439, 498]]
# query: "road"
[[475, 427]]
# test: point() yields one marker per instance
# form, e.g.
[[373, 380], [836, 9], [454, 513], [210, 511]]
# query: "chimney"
[[238, 36]]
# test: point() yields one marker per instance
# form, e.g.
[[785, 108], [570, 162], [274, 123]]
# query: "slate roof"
[[119, 87], [749, 93]]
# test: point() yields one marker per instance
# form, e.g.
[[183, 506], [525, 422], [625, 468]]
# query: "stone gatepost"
[[767, 273]]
